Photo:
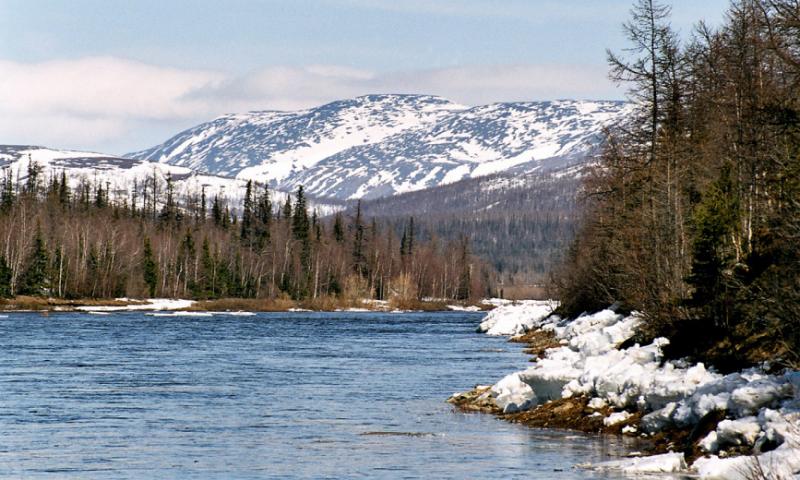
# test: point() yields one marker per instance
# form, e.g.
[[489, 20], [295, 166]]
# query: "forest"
[[76, 239], [520, 223], [692, 214]]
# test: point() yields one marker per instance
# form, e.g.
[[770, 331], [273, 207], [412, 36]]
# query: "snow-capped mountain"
[[380, 145], [120, 174]]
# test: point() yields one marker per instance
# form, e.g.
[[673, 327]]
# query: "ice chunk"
[[512, 394], [616, 417], [665, 463], [516, 318]]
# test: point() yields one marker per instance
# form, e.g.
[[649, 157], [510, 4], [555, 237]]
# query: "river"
[[273, 395]]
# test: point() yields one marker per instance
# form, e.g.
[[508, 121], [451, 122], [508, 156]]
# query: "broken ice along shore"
[[743, 425]]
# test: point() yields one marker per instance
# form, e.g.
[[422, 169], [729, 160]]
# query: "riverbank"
[[323, 304], [586, 375]]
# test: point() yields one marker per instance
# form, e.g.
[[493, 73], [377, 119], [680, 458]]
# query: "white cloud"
[[116, 105]]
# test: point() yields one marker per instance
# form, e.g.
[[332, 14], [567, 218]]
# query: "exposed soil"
[[538, 341]]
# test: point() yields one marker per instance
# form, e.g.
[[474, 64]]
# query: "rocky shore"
[[586, 375]]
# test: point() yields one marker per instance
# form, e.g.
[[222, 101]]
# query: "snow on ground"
[[516, 318], [460, 308], [762, 410], [181, 314], [151, 304], [665, 463]]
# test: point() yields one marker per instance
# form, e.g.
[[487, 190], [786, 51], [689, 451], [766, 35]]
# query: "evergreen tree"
[[317, 226], [300, 216], [404, 243], [203, 205], [264, 218], [714, 218], [206, 286], [247, 212], [149, 268], [7, 192], [359, 258], [63, 190], [32, 182], [100, 196], [169, 212], [5, 278], [226, 219], [287, 208], [338, 228], [465, 278], [216, 211], [35, 280]]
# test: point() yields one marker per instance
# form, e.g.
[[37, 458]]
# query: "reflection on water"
[[303, 395]]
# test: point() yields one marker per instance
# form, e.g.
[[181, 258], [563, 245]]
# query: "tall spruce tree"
[[149, 268], [246, 227], [5, 278], [263, 218], [35, 280], [359, 256]]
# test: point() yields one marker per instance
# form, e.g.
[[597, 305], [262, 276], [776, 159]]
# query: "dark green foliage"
[[5, 278], [63, 190], [7, 192], [96, 256], [359, 259], [263, 218], [35, 280], [216, 211], [714, 218], [692, 213], [464, 291], [206, 286], [287, 209], [149, 268], [170, 214], [300, 224], [34, 174], [338, 228], [248, 220]]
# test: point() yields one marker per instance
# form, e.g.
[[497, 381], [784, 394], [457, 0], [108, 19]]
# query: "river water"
[[274, 395]]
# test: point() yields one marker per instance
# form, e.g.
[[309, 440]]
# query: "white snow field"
[[149, 304], [763, 410]]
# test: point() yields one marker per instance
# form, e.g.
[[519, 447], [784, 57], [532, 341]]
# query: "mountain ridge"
[[380, 145]]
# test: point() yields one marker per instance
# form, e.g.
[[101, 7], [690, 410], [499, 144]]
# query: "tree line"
[[520, 223], [74, 238], [693, 211]]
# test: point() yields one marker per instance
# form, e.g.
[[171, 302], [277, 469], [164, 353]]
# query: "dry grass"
[[279, 304], [525, 292], [24, 302], [398, 303], [246, 304]]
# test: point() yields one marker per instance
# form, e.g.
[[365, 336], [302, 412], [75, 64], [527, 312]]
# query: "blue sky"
[[116, 75]]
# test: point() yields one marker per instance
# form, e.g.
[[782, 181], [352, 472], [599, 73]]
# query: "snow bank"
[[150, 304], [516, 318], [512, 394], [666, 463], [181, 314], [460, 308], [762, 410]]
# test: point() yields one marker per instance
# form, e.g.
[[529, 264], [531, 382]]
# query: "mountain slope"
[[381, 145]]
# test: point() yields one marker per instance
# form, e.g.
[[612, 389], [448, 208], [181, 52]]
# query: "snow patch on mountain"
[[381, 145]]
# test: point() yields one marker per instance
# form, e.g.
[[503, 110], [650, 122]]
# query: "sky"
[[117, 75]]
